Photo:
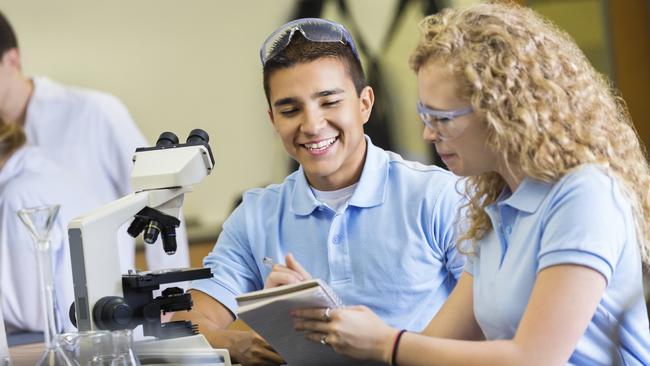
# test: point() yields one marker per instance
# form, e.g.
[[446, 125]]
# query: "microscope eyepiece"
[[167, 139], [198, 136]]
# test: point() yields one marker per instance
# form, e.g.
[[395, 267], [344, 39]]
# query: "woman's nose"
[[429, 135]]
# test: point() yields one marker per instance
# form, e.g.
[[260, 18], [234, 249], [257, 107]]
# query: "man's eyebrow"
[[327, 92], [292, 100], [284, 101]]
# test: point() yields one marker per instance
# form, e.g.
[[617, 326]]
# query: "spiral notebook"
[[311, 291], [267, 312]]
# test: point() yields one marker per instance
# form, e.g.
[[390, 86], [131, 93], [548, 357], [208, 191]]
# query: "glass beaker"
[[39, 221], [123, 348], [82, 348], [99, 348]]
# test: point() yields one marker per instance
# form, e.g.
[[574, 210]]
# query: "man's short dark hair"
[[7, 35], [301, 50]]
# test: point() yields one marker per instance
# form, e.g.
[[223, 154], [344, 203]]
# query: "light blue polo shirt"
[[392, 248], [582, 219]]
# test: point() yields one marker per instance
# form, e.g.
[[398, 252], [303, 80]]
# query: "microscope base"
[[190, 350]]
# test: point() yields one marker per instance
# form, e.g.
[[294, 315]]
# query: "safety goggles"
[[313, 29], [442, 122]]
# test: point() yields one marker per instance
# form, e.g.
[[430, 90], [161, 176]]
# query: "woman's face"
[[461, 141]]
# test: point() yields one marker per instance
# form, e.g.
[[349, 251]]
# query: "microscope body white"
[[152, 168], [160, 179]]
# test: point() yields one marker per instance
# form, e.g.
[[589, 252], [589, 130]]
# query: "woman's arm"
[[455, 320], [358, 332], [561, 305]]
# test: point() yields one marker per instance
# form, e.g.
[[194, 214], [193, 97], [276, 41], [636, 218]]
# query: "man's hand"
[[284, 275], [248, 348]]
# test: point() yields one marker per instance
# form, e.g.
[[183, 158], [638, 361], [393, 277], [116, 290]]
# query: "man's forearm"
[[214, 332], [245, 347]]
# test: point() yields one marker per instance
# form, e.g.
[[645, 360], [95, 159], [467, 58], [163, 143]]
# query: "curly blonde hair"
[[547, 109]]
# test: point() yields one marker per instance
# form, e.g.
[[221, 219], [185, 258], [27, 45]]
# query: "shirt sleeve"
[[469, 264], [232, 263], [445, 228], [586, 223]]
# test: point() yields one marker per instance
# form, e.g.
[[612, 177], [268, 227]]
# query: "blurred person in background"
[[29, 179], [88, 133]]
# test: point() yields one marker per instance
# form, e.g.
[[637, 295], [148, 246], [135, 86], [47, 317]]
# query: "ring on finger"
[[327, 316], [323, 339]]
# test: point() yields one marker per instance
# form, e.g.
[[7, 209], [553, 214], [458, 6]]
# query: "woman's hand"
[[354, 331]]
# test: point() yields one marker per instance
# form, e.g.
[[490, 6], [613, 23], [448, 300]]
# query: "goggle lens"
[[313, 29]]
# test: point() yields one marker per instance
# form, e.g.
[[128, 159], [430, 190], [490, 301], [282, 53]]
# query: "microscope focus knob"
[[112, 313]]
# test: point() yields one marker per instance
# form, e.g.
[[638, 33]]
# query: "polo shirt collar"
[[371, 189], [528, 196], [303, 202]]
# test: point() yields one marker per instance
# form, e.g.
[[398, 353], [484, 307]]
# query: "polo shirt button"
[[336, 239], [508, 229]]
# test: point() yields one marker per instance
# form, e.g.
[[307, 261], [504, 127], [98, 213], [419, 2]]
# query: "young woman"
[[557, 224]]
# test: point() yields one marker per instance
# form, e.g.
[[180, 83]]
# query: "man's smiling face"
[[319, 117]]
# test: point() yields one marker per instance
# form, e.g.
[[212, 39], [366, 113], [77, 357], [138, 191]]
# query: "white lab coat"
[[92, 134], [29, 179]]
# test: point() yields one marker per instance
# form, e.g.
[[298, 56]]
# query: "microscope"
[[106, 299]]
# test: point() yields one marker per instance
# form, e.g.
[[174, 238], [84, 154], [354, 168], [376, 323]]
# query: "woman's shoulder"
[[589, 178], [591, 187]]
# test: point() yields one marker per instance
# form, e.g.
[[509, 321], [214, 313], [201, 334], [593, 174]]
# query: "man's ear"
[[271, 119], [11, 57], [366, 101]]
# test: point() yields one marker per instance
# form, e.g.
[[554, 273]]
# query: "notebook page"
[[273, 322]]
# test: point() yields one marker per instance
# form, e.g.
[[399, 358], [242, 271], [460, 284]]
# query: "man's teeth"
[[321, 145]]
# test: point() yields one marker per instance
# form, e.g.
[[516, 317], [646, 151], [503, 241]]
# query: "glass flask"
[[39, 221]]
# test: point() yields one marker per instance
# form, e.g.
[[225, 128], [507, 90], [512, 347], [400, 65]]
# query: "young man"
[[377, 228], [88, 133]]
